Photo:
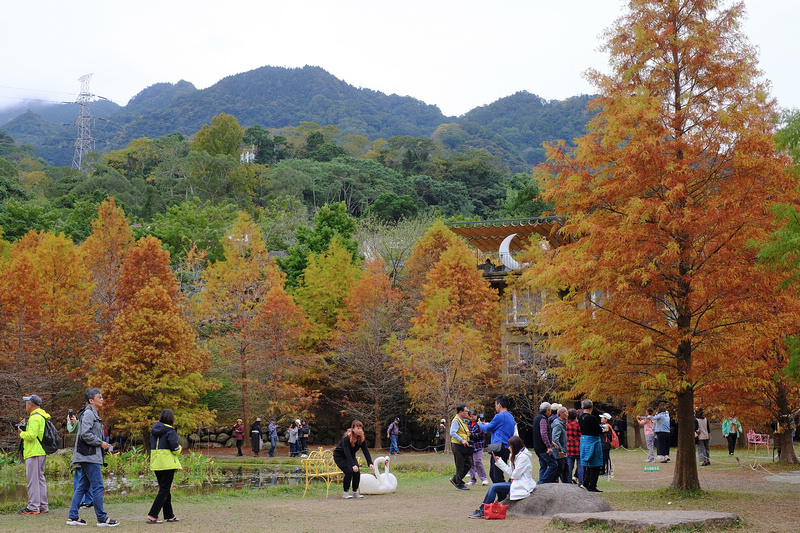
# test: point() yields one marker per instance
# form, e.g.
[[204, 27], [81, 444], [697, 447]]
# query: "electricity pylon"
[[84, 141]]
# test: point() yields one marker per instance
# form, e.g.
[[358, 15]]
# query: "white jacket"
[[521, 473]]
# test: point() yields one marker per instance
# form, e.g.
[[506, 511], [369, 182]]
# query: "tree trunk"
[[378, 427], [637, 434], [245, 403], [783, 442], [686, 477]]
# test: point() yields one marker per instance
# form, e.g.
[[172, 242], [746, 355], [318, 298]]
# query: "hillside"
[[273, 97]]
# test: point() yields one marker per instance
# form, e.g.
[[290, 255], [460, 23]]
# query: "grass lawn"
[[425, 501]]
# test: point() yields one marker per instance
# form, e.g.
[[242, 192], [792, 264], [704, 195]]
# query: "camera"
[[70, 413]]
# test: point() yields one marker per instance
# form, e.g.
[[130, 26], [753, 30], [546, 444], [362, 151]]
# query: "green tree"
[[223, 137]]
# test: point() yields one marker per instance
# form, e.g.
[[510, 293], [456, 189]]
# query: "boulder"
[[657, 520], [231, 442], [554, 498], [222, 429], [194, 438], [223, 438], [183, 441]]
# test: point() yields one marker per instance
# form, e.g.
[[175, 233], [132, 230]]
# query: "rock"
[[183, 441], [554, 498], [222, 429], [223, 437], [231, 442], [194, 437], [650, 520]]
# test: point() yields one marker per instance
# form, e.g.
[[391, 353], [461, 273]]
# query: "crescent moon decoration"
[[505, 254]]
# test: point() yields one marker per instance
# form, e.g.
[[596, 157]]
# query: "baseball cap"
[[35, 400], [606, 416]]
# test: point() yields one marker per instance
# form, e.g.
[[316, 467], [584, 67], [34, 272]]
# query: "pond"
[[236, 478]]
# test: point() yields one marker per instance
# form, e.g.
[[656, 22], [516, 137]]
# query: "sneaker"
[[462, 487], [76, 522], [454, 482], [470, 483], [108, 523], [665, 461], [357, 495], [477, 514], [27, 511], [485, 482], [44, 511], [304, 455]]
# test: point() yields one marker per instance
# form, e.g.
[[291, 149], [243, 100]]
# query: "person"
[[702, 435], [661, 421], [72, 427], [238, 431], [519, 469], [255, 436], [543, 446], [591, 449], [393, 433], [344, 455], [302, 438], [292, 432], [477, 437], [605, 443], [164, 461], [574, 467], [559, 428], [272, 430], [731, 428], [649, 433], [462, 449], [440, 434], [502, 428], [32, 434], [620, 427], [88, 456]]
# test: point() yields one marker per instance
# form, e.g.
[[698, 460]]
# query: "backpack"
[[614, 439], [51, 440]]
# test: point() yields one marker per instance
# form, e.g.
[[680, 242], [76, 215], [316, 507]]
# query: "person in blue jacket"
[[502, 427]]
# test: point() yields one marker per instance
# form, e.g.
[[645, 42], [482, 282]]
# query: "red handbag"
[[494, 511]]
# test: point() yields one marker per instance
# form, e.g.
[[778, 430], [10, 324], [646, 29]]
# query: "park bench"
[[320, 465]]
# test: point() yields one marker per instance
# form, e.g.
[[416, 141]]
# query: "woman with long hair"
[[164, 454], [345, 457], [519, 469]]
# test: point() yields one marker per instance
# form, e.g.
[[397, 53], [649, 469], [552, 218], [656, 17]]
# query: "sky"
[[457, 54]]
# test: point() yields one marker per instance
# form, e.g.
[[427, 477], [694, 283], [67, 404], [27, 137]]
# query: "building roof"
[[487, 235]]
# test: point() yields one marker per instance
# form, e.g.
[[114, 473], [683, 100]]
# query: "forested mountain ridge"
[[274, 97]]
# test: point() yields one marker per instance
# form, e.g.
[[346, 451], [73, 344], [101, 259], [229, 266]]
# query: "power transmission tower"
[[84, 141]]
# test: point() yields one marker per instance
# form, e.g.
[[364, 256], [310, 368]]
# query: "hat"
[[35, 400], [397, 419], [273, 419], [555, 406], [544, 406], [606, 416], [297, 421], [239, 421], [443, 420]]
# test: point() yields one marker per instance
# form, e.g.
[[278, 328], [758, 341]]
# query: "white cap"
[[443, 420], [606, 415]]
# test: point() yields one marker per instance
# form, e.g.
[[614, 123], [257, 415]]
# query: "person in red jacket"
[[238, 430]]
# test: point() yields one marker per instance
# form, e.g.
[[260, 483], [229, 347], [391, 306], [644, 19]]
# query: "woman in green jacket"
[[164, 454]]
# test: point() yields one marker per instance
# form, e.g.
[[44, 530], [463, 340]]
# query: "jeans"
[[87, 498], [92, 481], [548, 468], [573, 460], [497, 491], [164, 497], [273, 442], [393, 447], [495, 473], [292, 449]]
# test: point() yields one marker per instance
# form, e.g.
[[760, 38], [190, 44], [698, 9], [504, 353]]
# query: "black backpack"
[[51, 440]]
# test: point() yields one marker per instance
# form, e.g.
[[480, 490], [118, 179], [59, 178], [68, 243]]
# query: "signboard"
[[651, 468]]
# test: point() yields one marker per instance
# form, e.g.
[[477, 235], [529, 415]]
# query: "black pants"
[[731, 442], [590, 477], [349, 475], [495, 473], [563, 470], [462, 456], [164, 497], [239, 446]]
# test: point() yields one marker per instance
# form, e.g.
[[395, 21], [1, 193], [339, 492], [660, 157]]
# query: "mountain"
[[273, 97]]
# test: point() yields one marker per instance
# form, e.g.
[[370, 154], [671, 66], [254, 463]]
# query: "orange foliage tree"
[[452, 350], [361, 374], [254, 326], [150, 358], [46, 321], [662, 196]]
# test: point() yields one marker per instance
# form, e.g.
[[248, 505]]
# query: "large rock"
[[651, 520], [554, 498], [222, 438], [194, 438]]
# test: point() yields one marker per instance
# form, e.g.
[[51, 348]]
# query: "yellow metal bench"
[[320, 465]]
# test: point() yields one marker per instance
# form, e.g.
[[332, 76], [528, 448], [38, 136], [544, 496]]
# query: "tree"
[[661, 198], [425, 254], [223, 137], [360, 370], [451, 352]]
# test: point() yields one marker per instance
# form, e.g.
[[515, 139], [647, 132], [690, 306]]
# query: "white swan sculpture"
[[384, 483]]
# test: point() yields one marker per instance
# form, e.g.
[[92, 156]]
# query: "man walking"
[[559, 427], [393, 433], [462, 451], [88, 455], [543, 446], [591, 449], [502, 428], [34, 455], [272, 429]]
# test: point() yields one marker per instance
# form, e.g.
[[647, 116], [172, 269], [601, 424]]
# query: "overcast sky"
[[456, 54]]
